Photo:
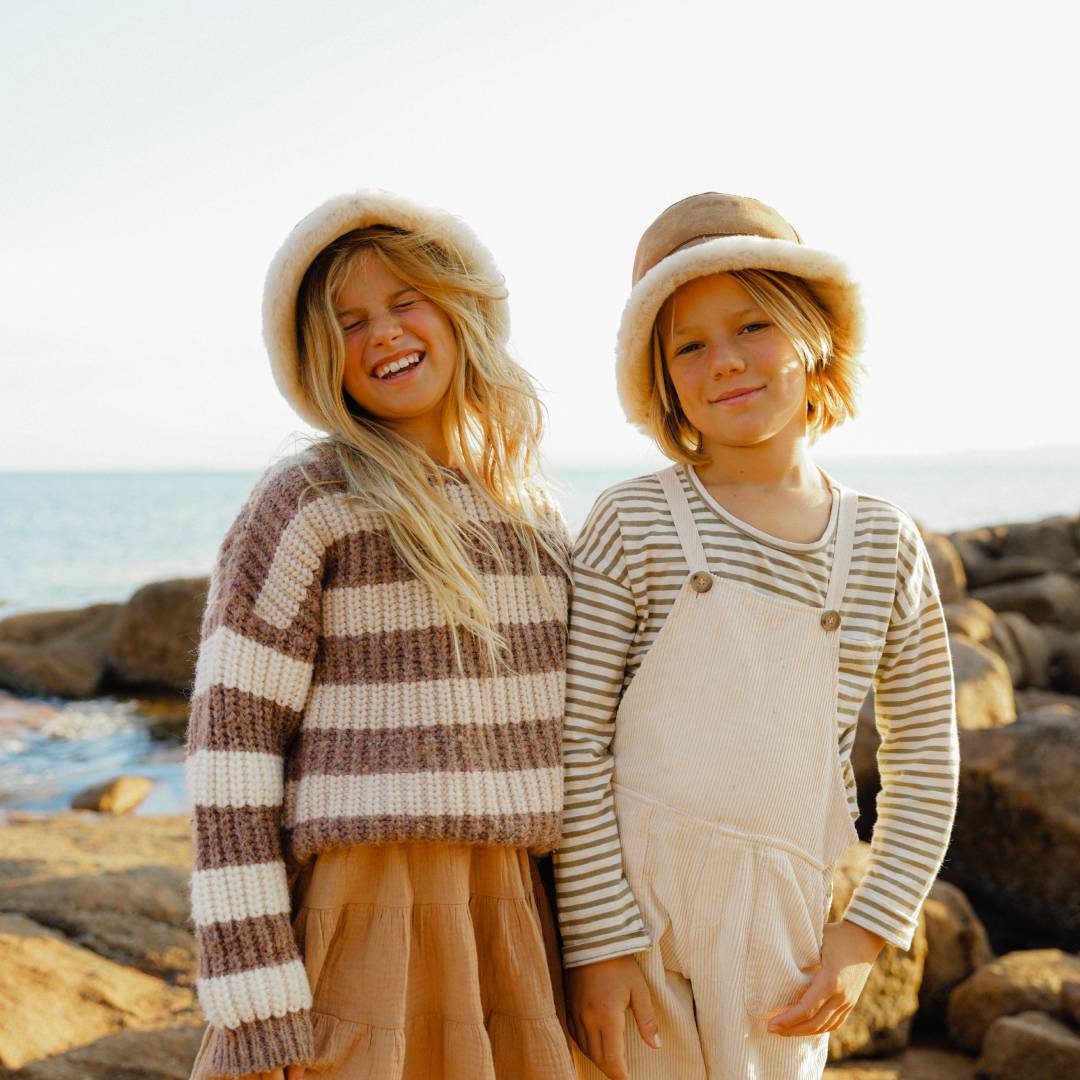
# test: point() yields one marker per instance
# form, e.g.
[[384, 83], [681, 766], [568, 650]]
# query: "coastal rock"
[[1015, 983], [1053, 539], [55, 995], [1070, 1001], [1029, 1046], [881, 1022], [1016, 837], [1050, 598], [157, 635], [1027, 649], [970, 617], [915, 1063], [56, 653], [948, 568], [118, 796], [984, 688], [956, 945], [1066, 664]]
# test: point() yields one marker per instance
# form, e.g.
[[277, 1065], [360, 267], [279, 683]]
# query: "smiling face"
[[738, 377], [400, 350]]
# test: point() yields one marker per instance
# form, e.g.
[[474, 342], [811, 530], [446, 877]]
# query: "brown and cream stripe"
[[329, 710], [628, 568]]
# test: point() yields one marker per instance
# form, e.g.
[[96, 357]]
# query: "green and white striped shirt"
[[628, 569]]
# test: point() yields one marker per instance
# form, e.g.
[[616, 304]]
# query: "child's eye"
[[348, 328], [752, 328], [401, 305], [688, 347]]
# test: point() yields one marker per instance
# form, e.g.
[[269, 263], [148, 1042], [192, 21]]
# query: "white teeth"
[[397, 365]]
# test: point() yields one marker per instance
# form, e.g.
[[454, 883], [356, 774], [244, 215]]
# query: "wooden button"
[[830, 620], [701, 582]]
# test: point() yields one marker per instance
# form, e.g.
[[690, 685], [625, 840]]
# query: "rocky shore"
[[96, 952]]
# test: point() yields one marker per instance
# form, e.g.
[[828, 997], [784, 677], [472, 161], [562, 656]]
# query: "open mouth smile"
[[398, 368]]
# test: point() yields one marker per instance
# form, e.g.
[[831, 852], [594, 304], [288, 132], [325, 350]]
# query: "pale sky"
[[156, 154]]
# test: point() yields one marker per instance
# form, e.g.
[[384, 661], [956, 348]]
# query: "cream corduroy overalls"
[[731, 809]]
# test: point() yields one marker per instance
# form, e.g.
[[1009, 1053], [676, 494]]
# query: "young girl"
[[729, 615], [377, 708]]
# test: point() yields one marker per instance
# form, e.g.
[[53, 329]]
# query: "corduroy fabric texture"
[[426, 962], [328, 711]]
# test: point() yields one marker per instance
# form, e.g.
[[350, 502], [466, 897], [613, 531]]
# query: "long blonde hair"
[[492, 421], [832, 372]]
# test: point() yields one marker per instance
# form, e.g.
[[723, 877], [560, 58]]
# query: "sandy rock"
[[118, 796], [157, 635], [1010, 568], [948, 568], [881, 1022], [1070, 1001], [915, 1063], [1029, 1046], [1030, 699], [1016, 838], [970, 617], [1026, 648], [1050, 598], [1066, 663], [1053, 539], [1016, 982], [956, 945], [157, 1054], [984, 687], [55, 996], [56, 653]]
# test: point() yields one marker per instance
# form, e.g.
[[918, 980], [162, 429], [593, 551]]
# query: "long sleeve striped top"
[[628, 568], [328, 710]]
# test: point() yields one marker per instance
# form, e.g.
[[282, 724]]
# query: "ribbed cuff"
[[899, 931], [581, 955], [263, 1045]]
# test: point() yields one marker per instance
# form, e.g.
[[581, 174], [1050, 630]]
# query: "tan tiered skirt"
[[426, 960]]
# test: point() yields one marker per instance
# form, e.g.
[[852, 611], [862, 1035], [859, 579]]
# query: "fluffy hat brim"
[[826, 275], [332, 219]]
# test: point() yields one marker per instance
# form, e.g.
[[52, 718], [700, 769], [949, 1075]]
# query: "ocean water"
[[76, 538]]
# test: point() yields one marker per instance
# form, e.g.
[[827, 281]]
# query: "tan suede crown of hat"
[[713, 233], [326, 223]]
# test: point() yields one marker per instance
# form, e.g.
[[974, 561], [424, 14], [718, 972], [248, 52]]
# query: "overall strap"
[[684, 519], [845, 542]]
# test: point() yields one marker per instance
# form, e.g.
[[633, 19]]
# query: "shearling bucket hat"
[[711, 234], [325, 224]]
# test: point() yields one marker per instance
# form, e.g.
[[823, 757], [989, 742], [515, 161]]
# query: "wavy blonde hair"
[[492, 420], [832, 371]]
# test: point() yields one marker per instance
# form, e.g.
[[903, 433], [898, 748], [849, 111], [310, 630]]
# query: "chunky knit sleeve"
[[919, 759], [259, 640]]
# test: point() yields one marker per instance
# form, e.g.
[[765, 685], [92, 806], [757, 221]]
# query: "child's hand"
[[848, 953], [598, 996]]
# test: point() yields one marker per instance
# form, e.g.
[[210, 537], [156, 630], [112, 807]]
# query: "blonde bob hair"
[[832, 373], [492, 421]]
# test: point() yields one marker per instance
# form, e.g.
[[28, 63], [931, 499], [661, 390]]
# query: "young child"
[[729, 615], [378, 700]]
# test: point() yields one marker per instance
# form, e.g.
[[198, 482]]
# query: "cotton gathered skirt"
[[427, 961]]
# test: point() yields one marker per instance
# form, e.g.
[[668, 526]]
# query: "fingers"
[[294, 1072], [644, 1015], [810, 1002], [613, 1048]]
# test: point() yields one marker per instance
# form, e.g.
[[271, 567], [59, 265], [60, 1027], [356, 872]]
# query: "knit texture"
[[329, 710]]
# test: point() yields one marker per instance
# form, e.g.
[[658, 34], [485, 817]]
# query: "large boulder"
[[1065, 666], [1008, 552], [55, 996], [1014, 983], [1016, 837], [881, 1022], [118, 796], [1027, 649], [57, 653], [157, 635], [1049, 598], [984, 687], [1029, 1046], [970, 617], [956, 945], [915, 1063], [948, 568]]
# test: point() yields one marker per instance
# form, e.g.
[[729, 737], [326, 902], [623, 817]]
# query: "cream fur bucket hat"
[[325, 224], [711, 234]]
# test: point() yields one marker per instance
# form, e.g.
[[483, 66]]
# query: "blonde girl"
[[729, 615], [374, 741]]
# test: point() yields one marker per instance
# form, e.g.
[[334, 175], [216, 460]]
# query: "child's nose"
[[385, 328], [724, 359]]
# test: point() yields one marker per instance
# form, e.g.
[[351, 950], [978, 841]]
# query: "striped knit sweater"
[[328, 710], [628, 568]]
